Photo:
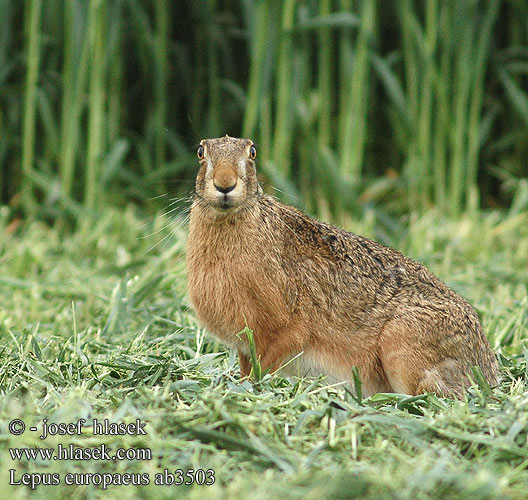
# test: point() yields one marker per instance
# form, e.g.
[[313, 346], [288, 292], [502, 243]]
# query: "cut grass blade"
[[256, 369]]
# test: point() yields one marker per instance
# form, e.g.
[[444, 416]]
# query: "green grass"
[[96, 324]]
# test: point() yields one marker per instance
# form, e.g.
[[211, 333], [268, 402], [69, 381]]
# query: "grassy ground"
[[96, 324]]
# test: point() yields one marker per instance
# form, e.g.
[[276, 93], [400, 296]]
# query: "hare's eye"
[[252, 152], [200, 152]]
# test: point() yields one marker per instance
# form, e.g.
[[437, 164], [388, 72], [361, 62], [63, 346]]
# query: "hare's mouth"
[[225, 202]]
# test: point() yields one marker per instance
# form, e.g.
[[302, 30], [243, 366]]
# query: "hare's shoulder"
[[303, 233], [307, 242]]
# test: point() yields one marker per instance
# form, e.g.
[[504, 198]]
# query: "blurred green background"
[[397, 105]]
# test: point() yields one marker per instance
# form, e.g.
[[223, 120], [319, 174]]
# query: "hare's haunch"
[[305, 286]]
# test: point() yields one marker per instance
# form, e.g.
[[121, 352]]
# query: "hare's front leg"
[[245, 364], [276, 347], [266, 362], [273, 349]]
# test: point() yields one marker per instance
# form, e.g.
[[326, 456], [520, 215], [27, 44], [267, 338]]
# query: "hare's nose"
[[225, 189]]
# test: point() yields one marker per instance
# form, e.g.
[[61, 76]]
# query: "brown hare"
[[307, 287]]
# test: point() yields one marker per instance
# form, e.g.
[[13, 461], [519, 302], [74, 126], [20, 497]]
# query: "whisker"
[[166, 237], [157, 197], [172, 210], [155, 232], [183, 222], [284, 192], [177, 200]]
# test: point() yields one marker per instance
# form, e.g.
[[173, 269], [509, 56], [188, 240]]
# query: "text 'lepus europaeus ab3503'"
[[305, 286]]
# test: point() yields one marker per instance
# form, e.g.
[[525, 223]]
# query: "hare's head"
[[227, 179]]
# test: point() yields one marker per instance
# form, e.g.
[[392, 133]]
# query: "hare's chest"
[[231, 291], [220, 292]]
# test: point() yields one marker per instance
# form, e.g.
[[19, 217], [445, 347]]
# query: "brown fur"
[[305, 286]]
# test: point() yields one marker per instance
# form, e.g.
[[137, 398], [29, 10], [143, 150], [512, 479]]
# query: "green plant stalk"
[[6, 29], [356, 102], [307, 175], [463, 77], [325, 73], [161, 37], [346, 59], [199, 70], [74, 76], [282, 140], [410, 57], [67, 151], [214, 111], [48, 128], [115, 104], [96, 120], [325, 100], [258, 57], [441, 139], [29, 124], [475, 106], [426, 104], [265, 131], [115, 79], [146, 53]]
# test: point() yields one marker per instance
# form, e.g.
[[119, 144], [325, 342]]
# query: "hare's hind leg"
[[420, 355], [447, 378]]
